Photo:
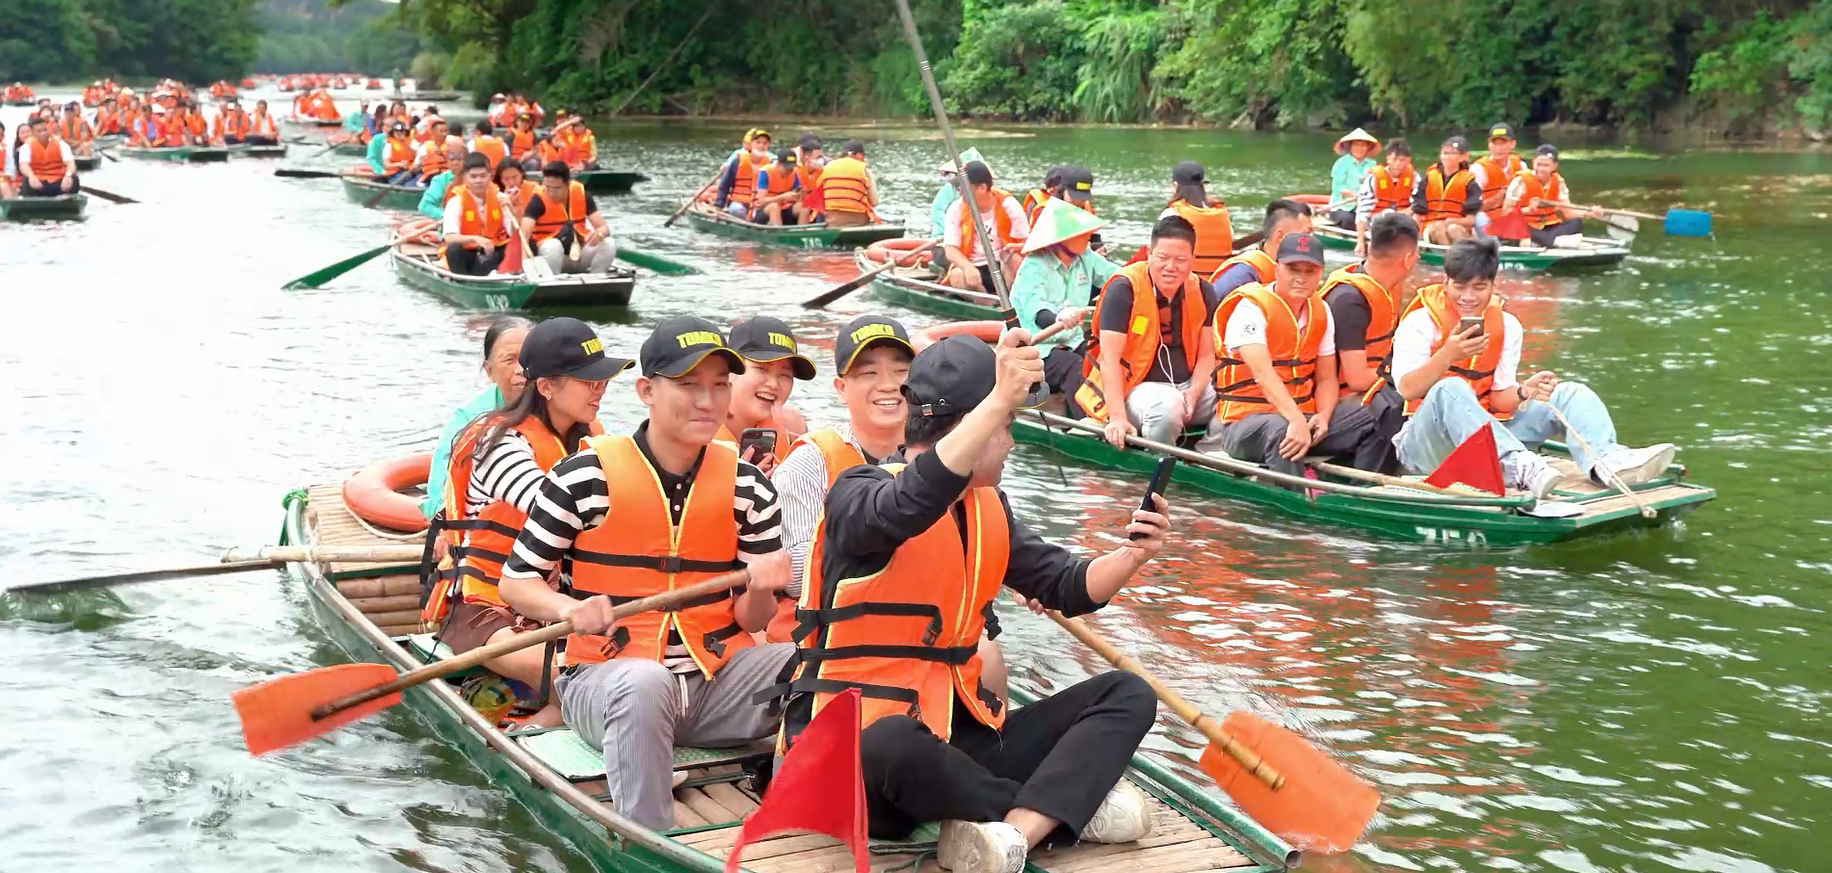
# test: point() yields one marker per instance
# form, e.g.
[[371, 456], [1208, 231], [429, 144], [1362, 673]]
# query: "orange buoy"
[[374, 493], [985, 330], [885, 249]]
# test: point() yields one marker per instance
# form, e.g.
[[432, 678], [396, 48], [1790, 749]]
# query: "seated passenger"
[[1005, 223], [1056, 282], [773, 363], [478, 222]]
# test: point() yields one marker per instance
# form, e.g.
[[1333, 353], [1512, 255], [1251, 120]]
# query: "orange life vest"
[[809, 177], [845, 187], [74, 130], [1383, 313], [1214, 235], [483, 220], [1478, 371], [433, 161], [1263, 265], [578, 144], [554, 215], [1294, 355], [231, 124], [550, 151], [107, 122], [775, 181], [1144, 335], [46, 160], [1495, 179], [1001, 224], [1392, 192], [397, 156], [1545, 216], [490, 147], [1444, 197], [642, 552], [1033, 203], [907, 636], [744, 180], [477, 546], [839, 456], [262, 124], [520, 141]]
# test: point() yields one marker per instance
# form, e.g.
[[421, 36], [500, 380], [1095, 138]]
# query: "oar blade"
[[1322, 807], [1687, 222], [654, 263], [319, 278], [278, 713], [295, 173]]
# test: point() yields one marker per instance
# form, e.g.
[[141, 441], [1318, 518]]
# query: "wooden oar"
[[108, 196], [655, 263], [317, 278], [292, 709], [695, 198], [866, 277], [1677, 222], [1279, 778], [293, 173], [232, 563], [1596, 462], [108, 154]]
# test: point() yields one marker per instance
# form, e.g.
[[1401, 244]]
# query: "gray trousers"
[[599, 257], [1352, 431], [637, 712]]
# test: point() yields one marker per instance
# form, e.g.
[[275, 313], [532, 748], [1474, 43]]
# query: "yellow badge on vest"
[[1139, 324]]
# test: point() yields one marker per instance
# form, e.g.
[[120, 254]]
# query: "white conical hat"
[[1060, 220], [968, 156], [1357, 135]]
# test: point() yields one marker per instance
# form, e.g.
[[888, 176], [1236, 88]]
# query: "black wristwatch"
[[1520, 391]]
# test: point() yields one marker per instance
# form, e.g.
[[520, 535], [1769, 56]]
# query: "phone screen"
[[762, 439], [1160, 480], [1464, 324]]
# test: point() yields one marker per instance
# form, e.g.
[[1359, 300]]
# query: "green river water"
[[1646, 702]]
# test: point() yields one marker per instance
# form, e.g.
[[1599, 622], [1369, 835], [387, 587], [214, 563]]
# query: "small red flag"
[[1511, 225], [512, 257], [1139, 256], [1474, 463], [818, 777]]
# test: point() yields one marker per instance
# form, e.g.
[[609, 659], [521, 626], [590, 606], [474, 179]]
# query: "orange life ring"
[[1310, 199], [421, 230], [374, 493], [885, 249], [985, 330]]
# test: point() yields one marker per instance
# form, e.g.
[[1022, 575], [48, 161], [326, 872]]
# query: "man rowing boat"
[[968, 266], [1056, 282], [1538, 194], [1448, 198], [565, 226], [478, 222]]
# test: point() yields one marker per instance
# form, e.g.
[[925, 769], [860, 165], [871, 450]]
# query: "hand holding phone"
[[1160, 480], [756, 442]]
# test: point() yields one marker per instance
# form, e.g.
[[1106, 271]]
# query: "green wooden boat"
[[353, 149], [1594, 253], [248, 150], [22, 102], [419, 265], [67, 207], [916, 288], [709, 218], [178, 154], [608, 181], [559, 778], [88, 164], [108, 141], [364, 189]]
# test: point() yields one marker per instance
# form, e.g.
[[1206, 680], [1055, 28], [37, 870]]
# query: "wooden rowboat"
[[608, 181], [915, 288], [89, 163], [711, 219], [66, 207], [1473, 519], [311, 122], [431, 96], [1593, 253], [178, 154], [371, 613], [249, 150], [22, 102], [419, 264], [362, 188]]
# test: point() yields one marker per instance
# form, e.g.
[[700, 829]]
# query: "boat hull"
[[570, 290], [705, 217], [68, 207], [1605, 253], [178, 155], [609, 181], [363, 190], [925, 296]]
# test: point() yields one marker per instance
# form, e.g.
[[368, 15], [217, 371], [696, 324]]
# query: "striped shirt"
[[574, 498], [507, 473], [801, 480]]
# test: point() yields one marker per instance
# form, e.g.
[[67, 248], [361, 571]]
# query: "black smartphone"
[[1160, 480], [1466, 323], [763, 439]]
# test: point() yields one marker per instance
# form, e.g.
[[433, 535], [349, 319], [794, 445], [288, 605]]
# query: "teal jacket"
[[1044, 282], [436, 482], [938, 211], [375, 154], [432, 203]]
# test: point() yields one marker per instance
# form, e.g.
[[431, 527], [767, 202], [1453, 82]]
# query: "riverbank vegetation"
[[81, 40], [314, 36]]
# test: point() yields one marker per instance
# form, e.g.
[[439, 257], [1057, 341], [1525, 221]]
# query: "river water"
[[1644, 702]]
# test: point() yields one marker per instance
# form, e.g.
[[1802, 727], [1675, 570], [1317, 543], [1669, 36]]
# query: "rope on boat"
[[387, 535]]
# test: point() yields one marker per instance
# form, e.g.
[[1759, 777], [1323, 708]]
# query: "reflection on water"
[[1648, 702]]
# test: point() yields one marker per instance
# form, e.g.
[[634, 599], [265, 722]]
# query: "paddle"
[[386, 190], [232, 563], [292, 173], [1280, 779], [108, 196], [292, 709], [108, 154], [325, 274], [655, 263], [1677, 222], [695, 198], [1597, 461], [866, 277]]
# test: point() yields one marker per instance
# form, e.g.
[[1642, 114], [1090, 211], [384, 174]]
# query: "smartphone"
[[1160, 480], [763, 439], [1464, 324]]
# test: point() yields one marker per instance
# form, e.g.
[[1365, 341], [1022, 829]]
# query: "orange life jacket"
[[1214, 235], [744, 181], [1294, 355], [550, 151], [1001, 224], [195, 125], [1478, 371], [262, 124], [520, 141], [433, 161], [46, 160], [845, 187], [1144, 335], [775, 181], [1444, 197], [642, 552], [74, 130], [578, 144], [809, 177], [908, 636], [1495, 179], [483, 220], [397, 156], [1393, 192], [1545, 216], [839, 456], [554, 214], [477, 546], [231, 124], [490, 147], [1263, 265], [1383, 313]]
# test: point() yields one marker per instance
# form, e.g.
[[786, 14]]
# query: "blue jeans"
[[1450, 413], [404, 177]]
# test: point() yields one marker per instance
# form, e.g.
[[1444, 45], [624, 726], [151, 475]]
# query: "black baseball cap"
[[853, 147], [809, 141], [1458, 143], [864, 332], [567, 347], [398, 127], [1500, 131], [679, 344], [1547, 149], [952, 376], [1300, 247], [764, 339], [1189, 177], [1077, 184], [978, 173]]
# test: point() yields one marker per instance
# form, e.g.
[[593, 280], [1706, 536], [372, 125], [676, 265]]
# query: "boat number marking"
[[496, 301]]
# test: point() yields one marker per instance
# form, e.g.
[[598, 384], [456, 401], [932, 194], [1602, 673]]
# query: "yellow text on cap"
[[1498, 133], [1083, 186], [872, 330], [699, 337], [784, 340], [592, 346]]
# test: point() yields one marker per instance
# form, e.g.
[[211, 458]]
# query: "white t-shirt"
[[1416, 333], [31, 147], [951, 226], [1247, 327], [454, 213]]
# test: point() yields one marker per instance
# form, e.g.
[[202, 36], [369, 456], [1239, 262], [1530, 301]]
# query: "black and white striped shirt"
[[507, 472]]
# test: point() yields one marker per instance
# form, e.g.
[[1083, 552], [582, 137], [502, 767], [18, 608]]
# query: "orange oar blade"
[[278, 713], [1322, 806]]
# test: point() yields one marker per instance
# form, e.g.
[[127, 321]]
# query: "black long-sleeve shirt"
[[870, 513]]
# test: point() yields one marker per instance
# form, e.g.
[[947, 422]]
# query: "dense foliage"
[[70, 40], [313, 36]]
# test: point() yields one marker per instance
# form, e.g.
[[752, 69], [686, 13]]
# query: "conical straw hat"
[[1060, 220], [968, 156], [1357, 135]]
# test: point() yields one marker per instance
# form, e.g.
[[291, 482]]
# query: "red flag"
[[1511, 225], [818, 775], [512, 257], [1143, 253], [1474, 463]]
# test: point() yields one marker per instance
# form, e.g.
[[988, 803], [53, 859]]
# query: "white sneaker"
[[1527, 471], [1124, 816], [981, 847], [1635, 466]]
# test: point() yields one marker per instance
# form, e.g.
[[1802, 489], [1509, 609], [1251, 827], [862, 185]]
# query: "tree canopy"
[[70, 40]]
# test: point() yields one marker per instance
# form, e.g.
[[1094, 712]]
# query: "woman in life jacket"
[[760, 394], [502, 348]]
